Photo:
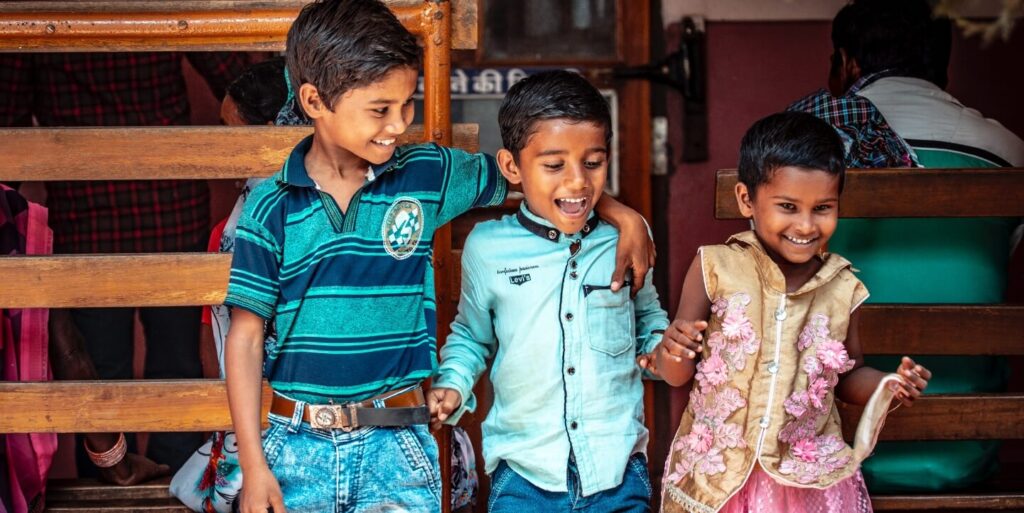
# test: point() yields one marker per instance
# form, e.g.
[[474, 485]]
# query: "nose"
[[805, 224], [397, 124], [575, 177]]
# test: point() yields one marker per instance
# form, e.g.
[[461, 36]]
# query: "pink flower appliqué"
[[805, 450], [810, 456], [712, 401]]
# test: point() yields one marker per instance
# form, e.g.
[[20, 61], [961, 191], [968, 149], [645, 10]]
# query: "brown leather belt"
[[402, 409]]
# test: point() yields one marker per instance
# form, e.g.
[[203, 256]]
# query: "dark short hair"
[[260, 91], [899, 35], [338, 45], [794, 139], [547, 95]]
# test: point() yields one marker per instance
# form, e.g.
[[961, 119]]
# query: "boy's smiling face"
[[366, 121], [562, 169]]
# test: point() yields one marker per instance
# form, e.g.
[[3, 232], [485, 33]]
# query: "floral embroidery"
[[811, 456], [711, 401]]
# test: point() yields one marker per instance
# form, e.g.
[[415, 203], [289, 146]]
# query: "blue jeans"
[[512, 493], [370, 469]]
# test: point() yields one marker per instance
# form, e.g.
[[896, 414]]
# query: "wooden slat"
[[911, 193], [112, 506], [116, 406], [169, 279], [169, 25], [947, 502], [150, 153], [949, 417], [90, 489], [945, 329]]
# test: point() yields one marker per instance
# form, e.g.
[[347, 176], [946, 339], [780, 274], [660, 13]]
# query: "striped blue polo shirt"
[[352, 294]]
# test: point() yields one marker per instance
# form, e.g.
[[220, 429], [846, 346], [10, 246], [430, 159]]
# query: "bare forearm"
[[857, 386], [616, 213], [674, 373], [243, 362]]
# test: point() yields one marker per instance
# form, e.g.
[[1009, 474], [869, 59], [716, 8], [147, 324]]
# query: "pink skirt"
[[762, 494]]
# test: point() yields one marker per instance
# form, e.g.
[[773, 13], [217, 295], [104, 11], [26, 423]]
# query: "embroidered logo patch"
[[403, 227], [519, 279]]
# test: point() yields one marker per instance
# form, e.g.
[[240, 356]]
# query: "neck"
[[327, 161], [796, 274]]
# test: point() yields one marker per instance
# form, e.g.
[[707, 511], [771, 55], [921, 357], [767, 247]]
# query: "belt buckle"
[[332, 416]]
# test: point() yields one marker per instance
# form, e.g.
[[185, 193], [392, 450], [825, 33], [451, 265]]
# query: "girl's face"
[[794, 214]]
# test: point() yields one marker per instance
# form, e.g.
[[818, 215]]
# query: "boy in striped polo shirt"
[[335, 249]]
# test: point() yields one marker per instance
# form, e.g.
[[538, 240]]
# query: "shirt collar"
[[832, 265], [294, 171], [544, 229]]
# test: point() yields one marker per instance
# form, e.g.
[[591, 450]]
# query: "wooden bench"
[[171, 153], [893, 329]]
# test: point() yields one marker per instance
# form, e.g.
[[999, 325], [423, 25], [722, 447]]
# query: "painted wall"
[[756, 68]]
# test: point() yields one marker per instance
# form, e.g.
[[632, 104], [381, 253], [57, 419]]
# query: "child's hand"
[[914, 380], [682, 339], [442, 402], [649, 362], [261, 493]]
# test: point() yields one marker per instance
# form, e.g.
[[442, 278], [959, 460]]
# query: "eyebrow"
[[558, 151], [793, 200], [386, 101]]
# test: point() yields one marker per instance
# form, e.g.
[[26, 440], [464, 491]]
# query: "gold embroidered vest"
[[764, 388]]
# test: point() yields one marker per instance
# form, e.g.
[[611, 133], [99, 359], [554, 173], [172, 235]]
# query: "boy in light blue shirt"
[[566, 429]]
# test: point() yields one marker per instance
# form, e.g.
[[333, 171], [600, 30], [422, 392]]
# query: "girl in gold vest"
[[761, 431]]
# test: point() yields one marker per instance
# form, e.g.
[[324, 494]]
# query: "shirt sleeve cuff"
[[259, 308], [465, 392]]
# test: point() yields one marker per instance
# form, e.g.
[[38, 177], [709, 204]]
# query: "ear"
[[509, 168], [744, 201], [851, 69], [310, 101]]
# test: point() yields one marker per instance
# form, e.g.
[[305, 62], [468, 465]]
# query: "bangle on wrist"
[[110, 457]]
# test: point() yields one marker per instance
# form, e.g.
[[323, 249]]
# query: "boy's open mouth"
[[384, 142], [572, 206], [800, 242]]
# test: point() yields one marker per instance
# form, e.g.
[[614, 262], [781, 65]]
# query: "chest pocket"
[[610, 319]]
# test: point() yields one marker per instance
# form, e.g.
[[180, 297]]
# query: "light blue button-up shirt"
[[564, 346]]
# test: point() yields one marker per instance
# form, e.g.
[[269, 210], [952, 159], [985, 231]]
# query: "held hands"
[[682, 339], [442, 402], [261, 493], [914, 379]]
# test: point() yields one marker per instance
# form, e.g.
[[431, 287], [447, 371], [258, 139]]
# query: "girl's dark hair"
[[338, 45], [794, 139], [547, 95], [260, 91]]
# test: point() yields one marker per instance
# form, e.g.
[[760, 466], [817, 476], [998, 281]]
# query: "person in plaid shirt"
[[123, 89]]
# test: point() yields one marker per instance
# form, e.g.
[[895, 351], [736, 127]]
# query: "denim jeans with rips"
[[369, 469], [512, 493]]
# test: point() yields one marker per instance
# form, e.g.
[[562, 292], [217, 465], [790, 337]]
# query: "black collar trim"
[[552, 234]]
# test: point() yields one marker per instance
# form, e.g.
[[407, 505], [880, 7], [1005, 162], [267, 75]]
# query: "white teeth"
[[798, 241], [384, 142], [572, 200]]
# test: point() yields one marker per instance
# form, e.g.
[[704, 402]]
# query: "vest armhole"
[[704, 273]]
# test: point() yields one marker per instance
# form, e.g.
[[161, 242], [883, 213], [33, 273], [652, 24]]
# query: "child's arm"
[[857, 385], [675, 357], [651, 322], [471, 342], [635, 249], [243, 363]]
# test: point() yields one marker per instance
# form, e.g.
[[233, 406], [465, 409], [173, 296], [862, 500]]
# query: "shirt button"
[[573, 425], [764, 422], [568, 316], [571, 370], [572, 264], [552, 234], [573, 275], [773, 367], [780, 315]]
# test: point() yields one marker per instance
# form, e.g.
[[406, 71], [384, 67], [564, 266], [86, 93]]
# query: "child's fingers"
[[678, 351]]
